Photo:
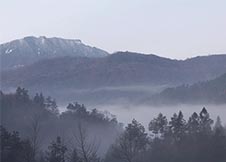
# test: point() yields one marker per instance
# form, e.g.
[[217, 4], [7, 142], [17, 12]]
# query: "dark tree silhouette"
[[158, 126], [131, 144]]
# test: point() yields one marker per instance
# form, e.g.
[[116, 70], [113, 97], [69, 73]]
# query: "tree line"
[[37, 120], [197, 139]]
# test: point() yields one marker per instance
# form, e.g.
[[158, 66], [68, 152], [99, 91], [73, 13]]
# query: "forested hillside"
[[121, 76], [212, 91], [119, 69]]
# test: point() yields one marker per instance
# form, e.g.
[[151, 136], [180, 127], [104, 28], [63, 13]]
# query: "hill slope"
[[212, 91], [117, 75], [123, 68]]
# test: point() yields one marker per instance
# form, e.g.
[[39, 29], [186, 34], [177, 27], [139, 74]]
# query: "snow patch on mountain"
[[8, 51]]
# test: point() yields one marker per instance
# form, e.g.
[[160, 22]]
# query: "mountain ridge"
[[123, 68], [112, 75], [30, 49]]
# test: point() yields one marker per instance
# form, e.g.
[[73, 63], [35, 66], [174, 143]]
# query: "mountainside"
[[120, 69], [31, 49], [123, 68], [212, 91]]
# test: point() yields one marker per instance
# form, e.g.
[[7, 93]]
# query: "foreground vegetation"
[[33, 130]]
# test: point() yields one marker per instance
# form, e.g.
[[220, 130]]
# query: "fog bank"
[[144, 114]]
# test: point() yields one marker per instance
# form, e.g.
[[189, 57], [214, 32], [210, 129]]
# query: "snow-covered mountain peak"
[[35, 48]]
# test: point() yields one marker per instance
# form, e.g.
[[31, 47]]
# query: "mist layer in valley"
[[126, 113]]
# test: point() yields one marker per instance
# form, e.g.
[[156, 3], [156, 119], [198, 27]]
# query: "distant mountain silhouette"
[[30, 49]]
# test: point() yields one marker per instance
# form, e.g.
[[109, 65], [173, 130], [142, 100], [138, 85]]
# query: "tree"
[[81, 110], [71, 107], [205, 122], [56, 151], [86, 149], [22, 94], [218, 124], [51, 106], [34, 135], [218, 142], [193, 125], [13, 149], [74, 156], [158, 125], [132, 143], [39, 99], [28, 153], [177, 126]]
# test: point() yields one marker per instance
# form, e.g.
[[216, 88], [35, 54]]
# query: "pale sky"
[[169, 28]]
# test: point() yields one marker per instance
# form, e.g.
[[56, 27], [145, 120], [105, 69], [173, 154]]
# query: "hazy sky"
[[170, 28]]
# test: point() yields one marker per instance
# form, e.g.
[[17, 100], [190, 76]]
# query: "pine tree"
[[158, 126], [218, 142], [177, 126], [193, 125], [205, 122]]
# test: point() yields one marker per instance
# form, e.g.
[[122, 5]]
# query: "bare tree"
[[87, 149], [35, 135]]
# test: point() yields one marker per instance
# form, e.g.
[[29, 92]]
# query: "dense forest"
[[33, 130]]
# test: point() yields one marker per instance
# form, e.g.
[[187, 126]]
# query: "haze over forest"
[[71, 71], [112, 81], [92, 91]]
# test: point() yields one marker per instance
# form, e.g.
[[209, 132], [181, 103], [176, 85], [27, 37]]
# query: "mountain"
[[30, 49], [212, 91], [116, 75]]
